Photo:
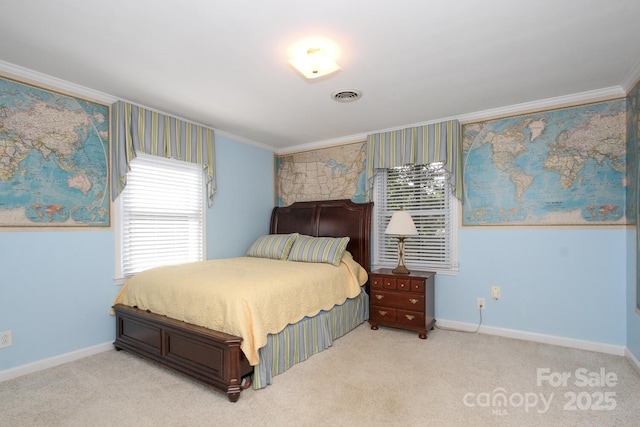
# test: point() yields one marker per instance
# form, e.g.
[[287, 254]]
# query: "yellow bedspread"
[[247, 297]]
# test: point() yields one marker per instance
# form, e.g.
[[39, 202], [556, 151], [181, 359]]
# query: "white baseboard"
[[632, 359], [54, 361], [618, 350], [450, 324]]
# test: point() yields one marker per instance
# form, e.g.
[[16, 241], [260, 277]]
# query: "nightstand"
[[404, 301]]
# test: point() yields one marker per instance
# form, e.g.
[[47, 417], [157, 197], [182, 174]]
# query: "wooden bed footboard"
[[211, 357]]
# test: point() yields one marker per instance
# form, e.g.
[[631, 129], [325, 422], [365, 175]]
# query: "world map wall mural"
[[560, 167], [53, 159]]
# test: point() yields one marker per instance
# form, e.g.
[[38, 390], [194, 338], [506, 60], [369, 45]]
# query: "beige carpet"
[[384, 377]]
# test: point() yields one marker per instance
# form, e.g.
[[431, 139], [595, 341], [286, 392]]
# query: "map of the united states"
[[328, 173]]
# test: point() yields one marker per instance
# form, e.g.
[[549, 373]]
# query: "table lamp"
[[401, 225]]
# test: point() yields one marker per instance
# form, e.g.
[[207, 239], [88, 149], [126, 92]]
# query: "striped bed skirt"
[[299, 341]]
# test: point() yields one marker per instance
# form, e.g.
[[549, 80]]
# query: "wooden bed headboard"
[[329, 218]]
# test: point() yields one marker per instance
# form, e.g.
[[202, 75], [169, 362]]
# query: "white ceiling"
[[224, 63]]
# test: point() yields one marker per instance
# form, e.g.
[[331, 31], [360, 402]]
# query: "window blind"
[[424, 192], [162, 212]]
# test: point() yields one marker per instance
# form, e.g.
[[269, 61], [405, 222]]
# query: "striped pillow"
[[318, 249], [274, 246]]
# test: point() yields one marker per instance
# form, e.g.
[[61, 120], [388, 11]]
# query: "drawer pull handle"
[[382, 313], [413, 300], [379, 296], [410, 317], [388, 283]]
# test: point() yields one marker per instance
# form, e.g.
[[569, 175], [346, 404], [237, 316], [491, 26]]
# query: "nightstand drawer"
[[403, 284], [376, 282], [417, 286], [389, 283], [408, 301], [383, 314], [410, 285], [381, 282], [410, 318]]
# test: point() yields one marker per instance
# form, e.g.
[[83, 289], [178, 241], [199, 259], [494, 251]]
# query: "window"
[[160, 215], [424, 191]]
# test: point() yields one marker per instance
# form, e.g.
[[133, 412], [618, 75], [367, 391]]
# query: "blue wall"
[[633, 315], [56, 287], [55, 293], [633, 293], [242, 206], [565, 282]]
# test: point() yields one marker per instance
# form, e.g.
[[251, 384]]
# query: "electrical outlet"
[[6, 339], [495, 292], [480, 303]]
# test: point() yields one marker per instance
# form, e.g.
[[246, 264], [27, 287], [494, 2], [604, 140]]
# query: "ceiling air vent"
[[346, 95]]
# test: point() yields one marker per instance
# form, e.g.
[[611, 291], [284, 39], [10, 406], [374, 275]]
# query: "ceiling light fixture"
[[314, 62]]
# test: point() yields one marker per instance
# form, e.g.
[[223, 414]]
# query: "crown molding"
[[350, 139], [243, 140], [631, 78], [613, 92], [33, 77], [581, 98]]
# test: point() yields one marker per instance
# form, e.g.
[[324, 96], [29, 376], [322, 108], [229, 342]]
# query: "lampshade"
[[315, 62], [401, 224]]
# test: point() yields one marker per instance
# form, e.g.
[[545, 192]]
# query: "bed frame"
[[214, 358]]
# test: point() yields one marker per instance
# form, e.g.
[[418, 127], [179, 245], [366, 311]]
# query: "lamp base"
[[401, 269]]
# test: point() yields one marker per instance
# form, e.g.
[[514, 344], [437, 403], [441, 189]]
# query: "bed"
[[215, 358]]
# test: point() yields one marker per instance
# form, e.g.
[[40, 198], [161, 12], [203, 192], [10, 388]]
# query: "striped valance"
[[136, 129], [421, 145]]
